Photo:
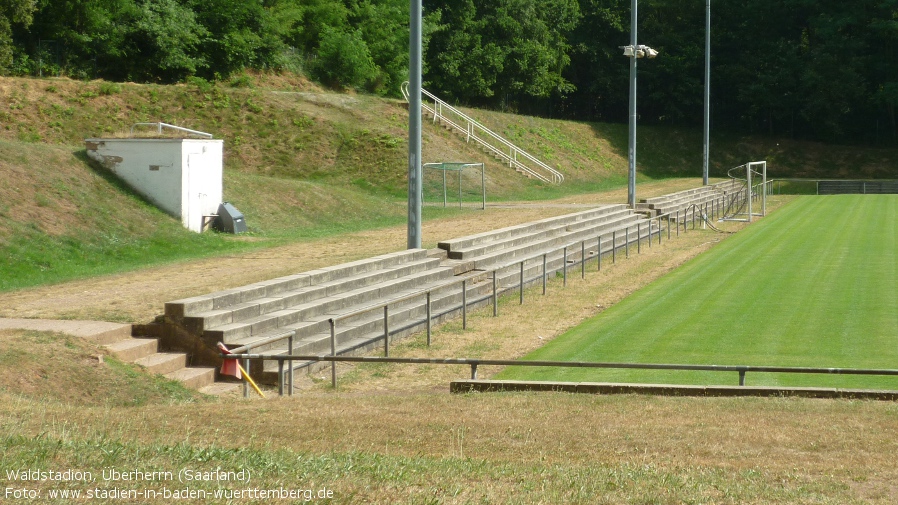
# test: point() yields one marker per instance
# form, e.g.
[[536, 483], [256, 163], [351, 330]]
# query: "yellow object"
[[250, 380]]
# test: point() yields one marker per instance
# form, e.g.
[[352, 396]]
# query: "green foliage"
[[343, 60], [779, 67], [12, 12], [499, 51]]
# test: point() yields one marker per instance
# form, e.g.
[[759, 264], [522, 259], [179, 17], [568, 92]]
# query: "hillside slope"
[[299, 162]]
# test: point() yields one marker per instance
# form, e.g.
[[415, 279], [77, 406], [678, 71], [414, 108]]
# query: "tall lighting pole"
[[415, 184], [634, 52], [707, 136]]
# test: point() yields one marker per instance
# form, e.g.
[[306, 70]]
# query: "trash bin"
[[229, 220]]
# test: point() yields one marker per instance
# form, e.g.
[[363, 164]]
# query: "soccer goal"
[[753, 191], [436, 182]]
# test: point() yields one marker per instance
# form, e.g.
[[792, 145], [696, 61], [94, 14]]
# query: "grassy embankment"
[[299, 163]]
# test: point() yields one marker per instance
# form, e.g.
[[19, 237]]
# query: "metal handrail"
[[384, 305], [160, 125], [475, 363], [554, 176]]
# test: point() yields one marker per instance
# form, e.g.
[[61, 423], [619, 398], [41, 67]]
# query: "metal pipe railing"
[[742, 370], [463, 280], [471, 129], [159, 127]]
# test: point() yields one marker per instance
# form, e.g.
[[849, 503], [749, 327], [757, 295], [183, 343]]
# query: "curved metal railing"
[[511, 154]]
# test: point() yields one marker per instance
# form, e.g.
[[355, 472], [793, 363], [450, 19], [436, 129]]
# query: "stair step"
[[221, 388], [163, 362], [133, 349], [193, 377]]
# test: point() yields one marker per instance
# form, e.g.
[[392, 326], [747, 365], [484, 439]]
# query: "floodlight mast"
[[707, 125], [634, 52], [415, 182]]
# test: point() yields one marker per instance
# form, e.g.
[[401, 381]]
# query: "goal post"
[[444, 168], [753, 169]]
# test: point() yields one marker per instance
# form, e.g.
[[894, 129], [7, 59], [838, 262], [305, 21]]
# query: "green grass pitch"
[[812, 285]]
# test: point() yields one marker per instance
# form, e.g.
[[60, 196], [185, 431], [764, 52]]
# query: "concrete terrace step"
[[606, 219], [524, 229], [510, 255], [179, 309], [685, 204], [509, 273], [229, 333], [679, 194], [163, 362], [404, 319], [308, 295], [132, 349], [193, 377]]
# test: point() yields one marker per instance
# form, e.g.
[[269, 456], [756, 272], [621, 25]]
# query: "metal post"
[[386, 331], [495, 296], [668, 227], [678, 222], [631, 149], [627, 242], [638, 238], [445, 194], [582, 259], [650, 233], [246, 382], [464, 304], [614, 246], [428, 310], [707, 124], [290, 371], [564, 267], [544, 273], [599, 253], [280, 377], [522, 283], [764, 185], [741, 377], [333, 353], [415, 183], [459, 186], [748, 188], [483, 185], [473, 371]]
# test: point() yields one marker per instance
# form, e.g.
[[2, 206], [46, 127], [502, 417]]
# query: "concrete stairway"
[[503, 250], [173, 365], [683, 201], [305, 302], [354, 294]]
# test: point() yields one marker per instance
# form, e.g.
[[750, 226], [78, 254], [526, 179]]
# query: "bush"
[[343, 60]]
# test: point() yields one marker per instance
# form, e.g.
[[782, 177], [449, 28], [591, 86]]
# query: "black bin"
[[229, 220]]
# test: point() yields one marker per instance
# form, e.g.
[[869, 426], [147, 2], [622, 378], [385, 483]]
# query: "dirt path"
[[139, 296]]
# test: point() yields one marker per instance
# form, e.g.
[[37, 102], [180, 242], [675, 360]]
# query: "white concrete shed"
[[182, 176]]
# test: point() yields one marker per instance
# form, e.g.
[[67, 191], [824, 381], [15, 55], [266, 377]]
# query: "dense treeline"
[[817, 69]]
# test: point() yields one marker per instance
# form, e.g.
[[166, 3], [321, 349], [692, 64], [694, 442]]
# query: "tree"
[[12, 12], [501, 51], [343, 59]]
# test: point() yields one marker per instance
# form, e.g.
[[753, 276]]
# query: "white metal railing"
[[511, 154], [160, 126]]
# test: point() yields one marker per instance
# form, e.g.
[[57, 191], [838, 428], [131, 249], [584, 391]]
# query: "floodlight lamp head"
[[650, 53], [640, 53], [629, 52]]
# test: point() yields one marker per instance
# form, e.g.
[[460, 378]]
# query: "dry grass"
[[139, 296], [395, 435]]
